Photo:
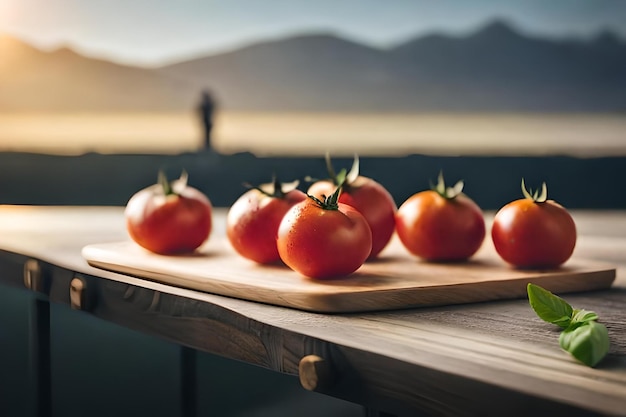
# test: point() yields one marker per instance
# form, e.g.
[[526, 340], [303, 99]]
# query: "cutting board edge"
[[394, 299], [450, 295]]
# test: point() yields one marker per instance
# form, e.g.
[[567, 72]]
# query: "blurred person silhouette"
[[207, 110]]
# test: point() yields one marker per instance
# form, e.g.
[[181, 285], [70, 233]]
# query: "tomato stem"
[[449, 193], [536, 196], [275, 189], [330, 169], [330, 202], [350, 176], [165, 184], [172, 187]]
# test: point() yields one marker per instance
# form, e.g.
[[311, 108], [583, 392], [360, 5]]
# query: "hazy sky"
[[149, 32]]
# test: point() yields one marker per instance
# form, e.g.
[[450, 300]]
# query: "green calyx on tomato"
[[536, 195], [275, 189], [343, 179], [449, 193], [173, 187], [331, 202]]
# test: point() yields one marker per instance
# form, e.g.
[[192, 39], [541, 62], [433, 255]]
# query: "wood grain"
[[397, 280], [493, 358]]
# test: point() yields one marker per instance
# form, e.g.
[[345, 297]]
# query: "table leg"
[[39, 346], [188, 382]]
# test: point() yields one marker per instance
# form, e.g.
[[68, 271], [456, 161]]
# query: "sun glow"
[[9, 50], [308, 133], [10, 11]]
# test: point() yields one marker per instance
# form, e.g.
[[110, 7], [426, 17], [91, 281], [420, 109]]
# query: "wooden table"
[[492, 358]]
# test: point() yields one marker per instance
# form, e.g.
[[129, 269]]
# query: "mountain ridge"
[[495, 68]]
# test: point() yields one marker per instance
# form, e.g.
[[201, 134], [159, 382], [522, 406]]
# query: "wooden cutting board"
[[397, 280]]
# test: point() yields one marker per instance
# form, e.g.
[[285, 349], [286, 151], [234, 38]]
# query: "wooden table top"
[[491, 358]]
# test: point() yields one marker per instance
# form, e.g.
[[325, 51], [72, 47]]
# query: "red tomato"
[[169, 218], [324, 239], [534, 232], [370, 199], [441, 224], [253, 220]]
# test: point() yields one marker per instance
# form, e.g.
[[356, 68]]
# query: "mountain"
[[307, 72], [496, 68], [31, 79]]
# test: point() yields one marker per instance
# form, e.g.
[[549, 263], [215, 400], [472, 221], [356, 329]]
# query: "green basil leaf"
[[589, 342], [583, 316], [549, 307], [566, 337]]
